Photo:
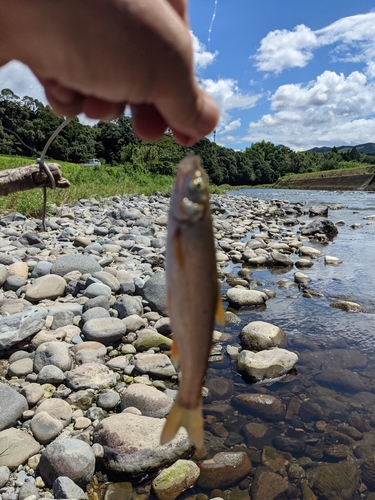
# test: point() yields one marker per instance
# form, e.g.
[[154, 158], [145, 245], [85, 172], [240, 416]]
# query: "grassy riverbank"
[[344, 179], [86, 182]]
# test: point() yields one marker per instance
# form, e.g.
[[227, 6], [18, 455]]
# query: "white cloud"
[[331, 110], [282, 49], [229, 97], [21, 80], [231, 127], [202, 57]]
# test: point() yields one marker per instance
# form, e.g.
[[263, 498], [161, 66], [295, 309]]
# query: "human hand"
[[96, 56]]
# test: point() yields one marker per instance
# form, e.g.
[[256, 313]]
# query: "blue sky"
[[293, 72]]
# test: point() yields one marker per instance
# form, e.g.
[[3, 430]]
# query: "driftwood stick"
[[30, 177]]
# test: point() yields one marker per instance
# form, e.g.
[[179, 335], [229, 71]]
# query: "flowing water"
[[321, 335]]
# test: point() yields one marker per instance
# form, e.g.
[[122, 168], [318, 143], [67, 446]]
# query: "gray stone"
[[127, 305], [101, 301], [16, 447], [46, 287], [72, 458], [21, 368], [33, 393], [95, 312], [62, 318], [4, 475], [96, 290], [53, 353], [259, 335], [150, 401], [64, 487], [56, 408], [142, 436], [240, 297], [107, 399], [104, 330], [256, 366], [155, 364], [27, 490], [20, 326], [90, 376], [50, 374], [134, 322], [108, 279], [68, 263], [155, 292], [41, 269], [12, 406], [45, 427], [14, 283]]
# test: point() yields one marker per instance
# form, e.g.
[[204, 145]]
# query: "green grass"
[[86, 182]]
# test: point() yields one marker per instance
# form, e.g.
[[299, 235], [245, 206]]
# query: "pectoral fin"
[[175, 356], [220, 314]]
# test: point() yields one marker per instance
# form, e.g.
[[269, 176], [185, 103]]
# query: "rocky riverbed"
[[86, 378]]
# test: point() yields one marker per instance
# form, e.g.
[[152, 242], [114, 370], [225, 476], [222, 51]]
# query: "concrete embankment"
[[358, 179]]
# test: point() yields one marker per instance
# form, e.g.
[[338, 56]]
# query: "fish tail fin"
[[192, 420], [175, 356], [219, 313]]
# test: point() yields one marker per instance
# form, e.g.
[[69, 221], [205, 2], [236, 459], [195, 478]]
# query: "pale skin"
[[97, 56]]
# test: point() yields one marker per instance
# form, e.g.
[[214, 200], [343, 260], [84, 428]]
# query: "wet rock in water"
[[268, 485], [220, 389], [155, 292], [64, 487], [47, 287], [301, 278], [345, 380], [68, 263], [175, 479], [223, 470], [310, 411], [240, 297], [16, 447], [67, 457], [322, 226], [120, 433], [346, 305], [12, 405], [310, 252], [256, 366], [149, 400], [154, 364], [280, 259], [274, 460], [329, 260], [20, 326], [334, 482], [368, 472], [105, 330], [318, 210], [262, 405], [90, 376], [258, 435], [295, 447], [304, 263], [259, 335]]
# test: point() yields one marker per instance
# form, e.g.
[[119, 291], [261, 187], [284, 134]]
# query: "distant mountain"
[[367, 148]]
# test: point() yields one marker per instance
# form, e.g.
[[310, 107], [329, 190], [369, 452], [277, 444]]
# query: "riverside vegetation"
[[132, 165]]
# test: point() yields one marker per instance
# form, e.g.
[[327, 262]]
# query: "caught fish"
[[193, 294]]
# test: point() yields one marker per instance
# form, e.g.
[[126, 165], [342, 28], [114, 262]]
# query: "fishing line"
[[212, 23]]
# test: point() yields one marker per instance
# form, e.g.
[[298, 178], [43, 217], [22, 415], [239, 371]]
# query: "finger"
[[63, 101], [100, 109], [148, 122], [190, 118], [180, 6]]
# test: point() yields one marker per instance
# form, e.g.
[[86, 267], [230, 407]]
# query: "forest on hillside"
[[26, 124]]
